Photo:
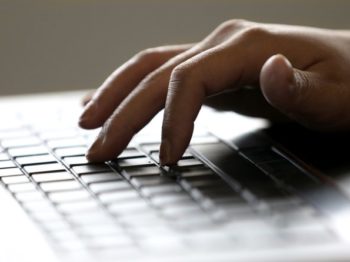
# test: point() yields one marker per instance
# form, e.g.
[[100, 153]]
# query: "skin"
[[293, 73]]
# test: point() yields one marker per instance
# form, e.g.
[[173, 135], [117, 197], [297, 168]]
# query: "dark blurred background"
[[48, 45]]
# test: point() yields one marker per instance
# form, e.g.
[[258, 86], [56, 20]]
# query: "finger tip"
[[276, 79]]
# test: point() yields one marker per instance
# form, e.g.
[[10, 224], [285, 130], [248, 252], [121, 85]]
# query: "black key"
[[195, 172], [142, 171], [200, 182], [150, 181], [186, 155], [130, 153], [189, 162], [260, 155], [44, 168], [91, 168], [40, 159], [218, 192], [252, 140]]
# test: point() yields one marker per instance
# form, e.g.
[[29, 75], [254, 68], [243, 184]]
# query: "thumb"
[[302, 95]]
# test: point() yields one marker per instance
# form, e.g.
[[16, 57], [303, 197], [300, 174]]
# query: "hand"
[[293, 72]]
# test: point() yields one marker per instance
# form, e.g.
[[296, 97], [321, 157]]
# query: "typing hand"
[[293, 72]]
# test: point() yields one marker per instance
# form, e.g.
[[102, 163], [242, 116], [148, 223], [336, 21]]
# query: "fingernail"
[[93, 150], [88, 113], [164, 155]]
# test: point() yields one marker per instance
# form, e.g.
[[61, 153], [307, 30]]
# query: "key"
[[40, 159], [7, 164], [109, 186], [10, 172], [124, 195], [101, 177], [150, 181], [142, 171], [98, 230], [189, 162], [28, 151], [56, 226], [91, 168], [170, 198], [15, 179], [67, 196], [16, 188], [128, 207], [130, 153], [20, 142], [78, 206], [38, 206], [115, 241], [71, 151], [3, 156], [76, 160], [149, 148], [160, 189], [29, 196], [50, 177], [61, 185], [199, 182], [44, 168], [90, 218], [15, 133], [132, 162], [46, 216], [61, 134], [182, 209], [194, 172], [68, 142], [260, 155]]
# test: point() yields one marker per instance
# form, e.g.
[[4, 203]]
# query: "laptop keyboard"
[[132, 204]]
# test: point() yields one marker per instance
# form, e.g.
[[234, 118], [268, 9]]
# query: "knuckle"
[[232, 24], [147, 54], [254, 32], [182, 72]]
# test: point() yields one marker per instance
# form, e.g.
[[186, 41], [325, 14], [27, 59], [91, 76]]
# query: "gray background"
[[48, 45]]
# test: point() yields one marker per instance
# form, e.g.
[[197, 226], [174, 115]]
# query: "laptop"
[[244, 190]]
